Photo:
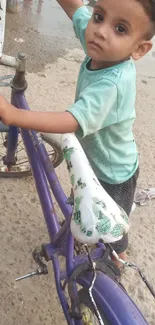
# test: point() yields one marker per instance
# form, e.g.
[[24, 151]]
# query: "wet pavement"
[[42, 30]]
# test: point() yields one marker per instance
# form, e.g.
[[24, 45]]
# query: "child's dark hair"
[[149, 7]]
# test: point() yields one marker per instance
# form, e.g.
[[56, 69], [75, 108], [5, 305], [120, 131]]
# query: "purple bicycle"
[[88, 287]]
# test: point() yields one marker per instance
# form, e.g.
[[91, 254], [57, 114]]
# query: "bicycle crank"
[[42, 269], [39, 271]]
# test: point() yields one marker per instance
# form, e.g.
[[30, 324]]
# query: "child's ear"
[[141, 50]]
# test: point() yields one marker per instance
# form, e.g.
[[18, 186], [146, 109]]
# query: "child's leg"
[[123, 195], [120, 247]]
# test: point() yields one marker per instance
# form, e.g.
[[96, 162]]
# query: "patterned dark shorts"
[[123, 195]]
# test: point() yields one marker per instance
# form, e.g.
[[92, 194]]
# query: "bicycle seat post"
[[19, 82]]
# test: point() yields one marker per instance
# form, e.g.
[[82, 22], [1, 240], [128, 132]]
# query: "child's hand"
[[6, 111]]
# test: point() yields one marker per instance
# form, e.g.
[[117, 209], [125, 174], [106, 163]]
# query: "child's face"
[[117, 31]]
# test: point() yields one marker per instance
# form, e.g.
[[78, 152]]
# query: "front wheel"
[[54, 141], [88, 315], [22, 168]]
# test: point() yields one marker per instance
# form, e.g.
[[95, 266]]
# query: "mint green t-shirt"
[[105, 110]]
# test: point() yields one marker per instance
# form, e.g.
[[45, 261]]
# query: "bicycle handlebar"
[[8, 60]]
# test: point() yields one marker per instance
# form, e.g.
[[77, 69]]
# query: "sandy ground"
[[21, 224]]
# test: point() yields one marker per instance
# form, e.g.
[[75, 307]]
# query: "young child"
[[104, 110]]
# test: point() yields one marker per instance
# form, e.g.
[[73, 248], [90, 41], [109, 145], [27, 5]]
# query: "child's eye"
[[121, 29], [98, 18]]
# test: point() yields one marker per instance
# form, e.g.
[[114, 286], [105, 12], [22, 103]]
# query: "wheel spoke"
[[22, 162], [22, 166], [21, 149]]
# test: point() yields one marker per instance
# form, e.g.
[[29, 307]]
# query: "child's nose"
[[102, 31]]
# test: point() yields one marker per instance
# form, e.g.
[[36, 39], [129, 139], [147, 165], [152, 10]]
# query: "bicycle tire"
[[112, 300], [54, 141], [86, 307], [58, 158]]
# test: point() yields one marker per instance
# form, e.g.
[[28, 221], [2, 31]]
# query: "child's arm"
[[54, 122], [70, 6]]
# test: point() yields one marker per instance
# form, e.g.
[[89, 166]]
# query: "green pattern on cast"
[[77, 202], [77, 217], [98, 213], [89, 233], [77, 213], [80, 184], [67, 153], [104, 225], [82, 228], [118, 230], [101, 203]]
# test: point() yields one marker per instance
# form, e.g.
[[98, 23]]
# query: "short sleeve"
[[96, 107], [80, 22]]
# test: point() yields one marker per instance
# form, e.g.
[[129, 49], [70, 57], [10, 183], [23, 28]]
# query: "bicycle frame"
[[118, 307], [61, 239]]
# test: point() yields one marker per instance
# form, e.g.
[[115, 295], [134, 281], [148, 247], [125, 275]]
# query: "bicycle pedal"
[[39, 271]]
